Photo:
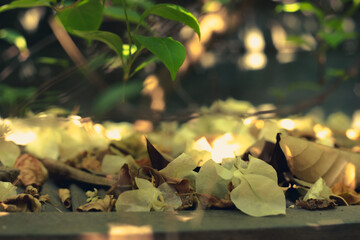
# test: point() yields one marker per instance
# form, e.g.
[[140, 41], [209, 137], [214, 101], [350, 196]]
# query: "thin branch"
[[59, 169]]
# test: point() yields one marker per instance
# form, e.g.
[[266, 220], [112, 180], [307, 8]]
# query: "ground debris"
[[21, 203], [316, 204], [100, 205]]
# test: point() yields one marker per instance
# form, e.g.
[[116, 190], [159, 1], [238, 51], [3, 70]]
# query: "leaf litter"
[[220, 160]]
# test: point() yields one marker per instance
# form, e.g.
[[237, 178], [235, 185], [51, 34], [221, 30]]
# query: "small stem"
[[321, 61], [70, 6], [136, 55], [128, 29]]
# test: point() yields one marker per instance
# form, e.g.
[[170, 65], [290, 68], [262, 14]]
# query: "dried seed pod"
[[65, 197]]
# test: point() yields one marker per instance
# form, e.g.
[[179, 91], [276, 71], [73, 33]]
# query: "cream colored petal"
[[213, 179], [259, 196], [7, 190], [9, 152]]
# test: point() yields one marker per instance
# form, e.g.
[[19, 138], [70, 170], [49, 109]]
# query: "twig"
[[74, 53], [8, 174], [297, 108], [305, 104], [59, 169]]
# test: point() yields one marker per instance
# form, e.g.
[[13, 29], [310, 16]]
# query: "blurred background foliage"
[[280, 52]]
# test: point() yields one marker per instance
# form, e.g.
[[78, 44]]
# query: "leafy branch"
[[83, 18]]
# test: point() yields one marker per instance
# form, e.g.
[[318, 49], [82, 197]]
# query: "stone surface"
[[342, 222]]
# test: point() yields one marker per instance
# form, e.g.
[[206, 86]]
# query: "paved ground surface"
[[342, 222]]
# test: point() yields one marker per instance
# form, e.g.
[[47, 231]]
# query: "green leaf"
[[143, 4], [10, 95], [144, 64], [301, 6], [85, 16], [335, 72], [175, 13], [53, 61], [14, 37], [111, 39], [118, 14], [172, 53], [303, 85], [108, 99], [299, 41], [26, 4], [336, 38]]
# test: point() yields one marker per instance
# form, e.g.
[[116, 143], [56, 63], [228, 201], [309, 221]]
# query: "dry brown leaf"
[[33, 191], [316, 204], [309, 160], [101, 205], [21, 203], [347, 193], [209, 201], [32, 172], [90, 162], [125, 180], [65, 197], [44, 198]]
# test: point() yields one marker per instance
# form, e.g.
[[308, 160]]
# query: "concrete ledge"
[[211, 224]]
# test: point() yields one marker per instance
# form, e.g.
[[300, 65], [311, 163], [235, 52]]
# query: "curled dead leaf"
[[101, 205], [65, 197], [125, 180], [32, 171], [33, 191], [90, 162], [347, 193], [44, 198], [21, 203], [309, 160]]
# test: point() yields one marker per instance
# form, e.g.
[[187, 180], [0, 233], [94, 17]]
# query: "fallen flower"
[[213, 179], [256, 192], [148, 197], [319, 190], [181, 167]]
